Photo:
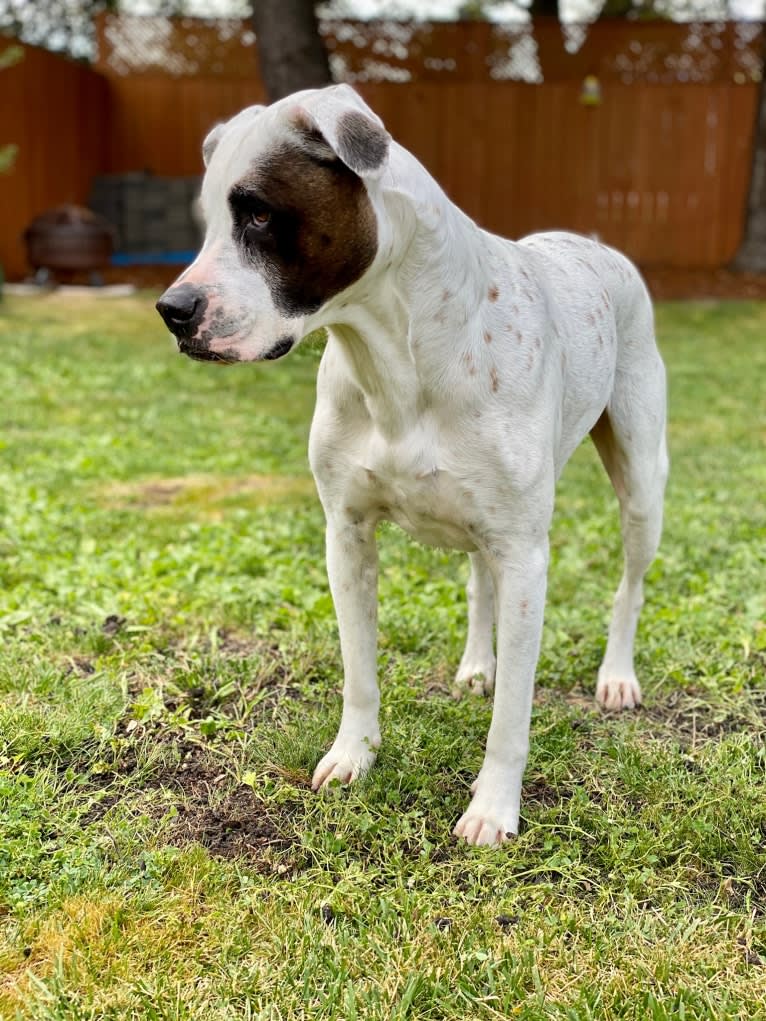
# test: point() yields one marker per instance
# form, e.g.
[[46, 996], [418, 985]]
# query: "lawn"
[[170, 675]]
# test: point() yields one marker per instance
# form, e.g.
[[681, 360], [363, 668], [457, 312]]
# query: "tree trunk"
[[544, 8], [291, 51], [615, 9], [751, 256]]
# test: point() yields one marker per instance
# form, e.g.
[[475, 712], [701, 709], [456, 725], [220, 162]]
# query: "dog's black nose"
[[182, 308]]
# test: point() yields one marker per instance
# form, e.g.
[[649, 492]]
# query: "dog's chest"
[[411, 482]]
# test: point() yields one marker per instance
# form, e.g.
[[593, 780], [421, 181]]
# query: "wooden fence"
[[56, 112], [658, 172], [659, 167]]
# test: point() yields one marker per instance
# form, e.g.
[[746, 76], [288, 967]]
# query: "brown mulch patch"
[[672, 284]]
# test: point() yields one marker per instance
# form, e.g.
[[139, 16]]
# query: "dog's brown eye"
[[260, 220]]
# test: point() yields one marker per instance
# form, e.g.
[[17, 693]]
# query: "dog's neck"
[[420, 308]]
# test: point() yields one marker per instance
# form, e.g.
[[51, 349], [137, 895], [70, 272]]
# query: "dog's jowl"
[[460, 373]]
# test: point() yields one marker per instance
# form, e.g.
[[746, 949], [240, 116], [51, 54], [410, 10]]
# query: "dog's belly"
[[433, 531]]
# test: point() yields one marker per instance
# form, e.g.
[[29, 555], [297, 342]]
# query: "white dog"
[[460, 373]]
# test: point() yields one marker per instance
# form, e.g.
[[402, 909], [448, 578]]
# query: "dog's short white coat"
[[461, 372]]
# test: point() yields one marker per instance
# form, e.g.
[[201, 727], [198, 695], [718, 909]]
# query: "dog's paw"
[[491, 818], [615, 692], [483, 830], [345, 761], [476, 678]]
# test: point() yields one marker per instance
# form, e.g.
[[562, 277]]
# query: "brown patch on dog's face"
[[305, 221]]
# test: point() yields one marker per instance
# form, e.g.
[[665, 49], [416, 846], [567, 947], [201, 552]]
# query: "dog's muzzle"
[[202, 354], [280, 349], [182, 309]]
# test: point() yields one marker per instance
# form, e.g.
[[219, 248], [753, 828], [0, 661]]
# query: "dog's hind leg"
[[630, 439], [477, 667]]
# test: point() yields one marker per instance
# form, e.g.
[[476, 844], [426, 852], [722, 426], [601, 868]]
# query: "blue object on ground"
[[153, 258]]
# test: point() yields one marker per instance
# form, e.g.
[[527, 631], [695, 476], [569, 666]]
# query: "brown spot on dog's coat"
[[322, 232], [493, 381], [493, 294], [488, 336]]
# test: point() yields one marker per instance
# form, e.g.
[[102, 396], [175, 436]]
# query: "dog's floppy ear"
[[216, 133], [212, 138], [348, 126]]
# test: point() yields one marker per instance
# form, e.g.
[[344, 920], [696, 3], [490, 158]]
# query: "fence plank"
[[54, 110]]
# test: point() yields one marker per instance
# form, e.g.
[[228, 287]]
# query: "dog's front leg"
[[520, 582], [352, 566]]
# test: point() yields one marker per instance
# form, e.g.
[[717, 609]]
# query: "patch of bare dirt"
[[226, 818], [185, 774], [238, 826], [271, 680], [230, 821], [678, 715], [205, 490], [537, 791], [691, 721], [113, 624]]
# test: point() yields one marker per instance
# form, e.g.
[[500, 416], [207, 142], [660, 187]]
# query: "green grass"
[[170, 674]]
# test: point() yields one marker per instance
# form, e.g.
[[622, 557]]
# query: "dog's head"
[[290, 224]]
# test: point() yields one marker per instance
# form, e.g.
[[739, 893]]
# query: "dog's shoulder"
[[586, 261]]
